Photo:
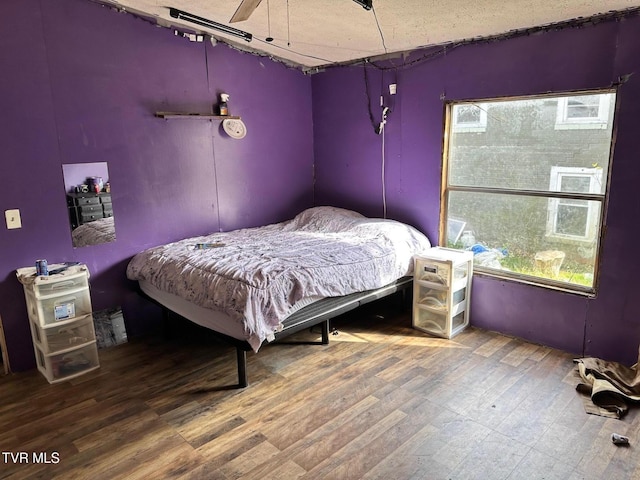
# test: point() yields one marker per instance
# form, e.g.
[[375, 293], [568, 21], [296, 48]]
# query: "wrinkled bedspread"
[[93, 233], [255, 275]]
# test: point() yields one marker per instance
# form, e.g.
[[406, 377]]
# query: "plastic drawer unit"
[[61, 321], [442, 291]]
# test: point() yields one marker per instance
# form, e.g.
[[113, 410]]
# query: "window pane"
[[576, 180], [585, 106], [520, 142], [468, 114], [569, 183], [572, 219], [509, 233]]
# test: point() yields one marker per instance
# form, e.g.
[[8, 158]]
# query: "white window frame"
[[595, 186], [564, 122], [479, 126]]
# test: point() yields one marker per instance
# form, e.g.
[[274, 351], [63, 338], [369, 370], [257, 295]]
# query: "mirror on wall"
[[89, 206]]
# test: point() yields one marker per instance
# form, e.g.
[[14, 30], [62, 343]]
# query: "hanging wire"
[[384, 187], [384, 45], [288, 27], [379, 129], [366, 87], [269, 38]]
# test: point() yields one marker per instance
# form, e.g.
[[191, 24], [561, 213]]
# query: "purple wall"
[[348, 160], [83, 86]]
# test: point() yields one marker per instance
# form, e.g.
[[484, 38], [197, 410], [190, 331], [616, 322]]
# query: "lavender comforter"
[[255, 275]]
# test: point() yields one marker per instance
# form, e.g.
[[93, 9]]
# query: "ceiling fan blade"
[[244, 11]]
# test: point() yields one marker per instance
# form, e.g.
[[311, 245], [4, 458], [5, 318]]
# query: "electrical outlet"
[[393, 89], [13, 218]]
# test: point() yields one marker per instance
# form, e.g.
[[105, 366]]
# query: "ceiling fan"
[[246, 8]]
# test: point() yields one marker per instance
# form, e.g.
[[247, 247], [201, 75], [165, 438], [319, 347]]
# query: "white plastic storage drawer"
[[61, 337], [437, 298], [429, 321], [436, 323], [432, 272], [432, 298], [441, 291], [439, 273], [51, 310], [55, 285], [62, 366]]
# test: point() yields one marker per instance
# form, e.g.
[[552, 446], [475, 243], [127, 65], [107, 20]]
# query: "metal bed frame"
[[317, 313]]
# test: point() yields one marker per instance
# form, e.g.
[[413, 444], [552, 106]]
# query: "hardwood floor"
[[382, 401]]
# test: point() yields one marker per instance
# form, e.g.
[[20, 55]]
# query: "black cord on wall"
[[366, 88]]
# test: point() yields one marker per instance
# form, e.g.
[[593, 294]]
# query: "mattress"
[[215, 320]]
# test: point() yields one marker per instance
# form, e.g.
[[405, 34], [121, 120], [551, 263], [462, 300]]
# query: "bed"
[[257, 284]]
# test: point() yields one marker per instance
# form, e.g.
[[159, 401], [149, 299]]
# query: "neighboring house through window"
[[469, 117], [583, 112], [574, 218], [530, 185]]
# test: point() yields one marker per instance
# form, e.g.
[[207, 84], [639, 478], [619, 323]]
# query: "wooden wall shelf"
[[203, 116]]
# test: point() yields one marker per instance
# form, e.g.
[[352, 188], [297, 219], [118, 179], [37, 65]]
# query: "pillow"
[[326, 219]]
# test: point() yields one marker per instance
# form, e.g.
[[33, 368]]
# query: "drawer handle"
[[65, 301], [62, 284]]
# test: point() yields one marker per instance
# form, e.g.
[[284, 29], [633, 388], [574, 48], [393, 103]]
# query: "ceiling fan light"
[[189, 17]]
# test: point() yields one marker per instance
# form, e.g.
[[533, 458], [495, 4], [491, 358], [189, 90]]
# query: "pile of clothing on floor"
[[612, 387]]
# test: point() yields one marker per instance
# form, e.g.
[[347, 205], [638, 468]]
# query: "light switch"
[[13, 218]]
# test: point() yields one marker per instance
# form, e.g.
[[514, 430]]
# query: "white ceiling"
[[316, 33]]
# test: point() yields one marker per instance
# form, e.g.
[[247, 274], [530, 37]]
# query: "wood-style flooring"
[[382, 401]]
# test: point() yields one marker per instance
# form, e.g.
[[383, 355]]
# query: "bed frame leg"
[[406, 299], [243, 380], [166, 324], [325, 332]]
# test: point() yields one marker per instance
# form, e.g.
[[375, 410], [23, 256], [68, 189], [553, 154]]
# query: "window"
[[469, 117], [530, 194], [571, 218], [583, 112]]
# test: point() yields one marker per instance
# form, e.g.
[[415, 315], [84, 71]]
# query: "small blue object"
[[478, 248], [42, 268]]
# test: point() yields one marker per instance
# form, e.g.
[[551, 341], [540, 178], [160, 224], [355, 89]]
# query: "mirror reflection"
[[88, 192]]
